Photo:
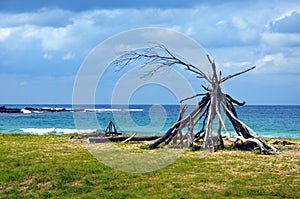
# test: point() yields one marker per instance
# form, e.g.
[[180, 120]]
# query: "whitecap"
[[23, 110], [38, 131], [45, 131], [113, 110], [57, 109]]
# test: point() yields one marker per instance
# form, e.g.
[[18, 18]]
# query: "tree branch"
[[235, 101], [236, 74], [150, 56], [197, 95]]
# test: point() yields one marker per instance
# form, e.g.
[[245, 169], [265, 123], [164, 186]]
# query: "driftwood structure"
[[211, 109], [111, 130]]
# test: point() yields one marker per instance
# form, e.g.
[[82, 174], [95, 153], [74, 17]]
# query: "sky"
[[43, 44]]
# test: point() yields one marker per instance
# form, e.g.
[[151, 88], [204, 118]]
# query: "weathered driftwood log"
[[121, 138]]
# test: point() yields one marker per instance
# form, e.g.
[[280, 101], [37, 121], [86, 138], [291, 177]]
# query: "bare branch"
[[151, 57], [235, 101], [213, 67], [236, 74], [197, 95], [206, 88]]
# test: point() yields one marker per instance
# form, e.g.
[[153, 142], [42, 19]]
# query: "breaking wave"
[[45, 131], [113, 110]]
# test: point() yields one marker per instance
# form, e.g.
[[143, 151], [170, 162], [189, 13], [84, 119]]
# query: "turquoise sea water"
[[268, 121]]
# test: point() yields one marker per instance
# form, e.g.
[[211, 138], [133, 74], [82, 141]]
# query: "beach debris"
[[111, 129], [283, 142], [74, 138], [210, 111]]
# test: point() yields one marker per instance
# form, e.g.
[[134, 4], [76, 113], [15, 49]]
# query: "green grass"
[[51, 166]]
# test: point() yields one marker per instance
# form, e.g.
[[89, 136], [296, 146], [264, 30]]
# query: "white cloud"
[[42, 17], [286, 23], [77, 29], [68, 56], [221, 23], [239, 23], [52, 38], [73, 30], [236, 64], [4, 34], [55, 38], [281, 39], [47, 56], [271, 63], [190, 31]]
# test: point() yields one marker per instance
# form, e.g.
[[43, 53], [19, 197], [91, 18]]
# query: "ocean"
[[267, 121]]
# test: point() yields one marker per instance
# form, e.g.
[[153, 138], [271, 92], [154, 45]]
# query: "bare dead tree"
[[208, 109]]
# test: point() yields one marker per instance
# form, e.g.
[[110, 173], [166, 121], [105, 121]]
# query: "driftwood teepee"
[[207, 113]]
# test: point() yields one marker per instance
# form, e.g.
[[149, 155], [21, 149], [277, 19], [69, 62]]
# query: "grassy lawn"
[[51, 166]]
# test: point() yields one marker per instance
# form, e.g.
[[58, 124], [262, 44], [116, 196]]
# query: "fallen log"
[[121, 139]]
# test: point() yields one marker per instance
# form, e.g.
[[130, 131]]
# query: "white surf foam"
[[23, 110], [113, 110], [45, 131]]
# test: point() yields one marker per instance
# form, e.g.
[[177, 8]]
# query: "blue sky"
[[43, 43]]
